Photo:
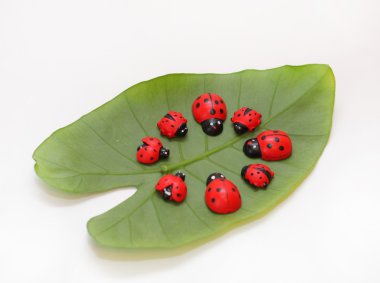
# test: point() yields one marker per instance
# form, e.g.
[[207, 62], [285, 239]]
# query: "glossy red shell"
[[247, 117], [147, 155], [179, 188], [169, 127], [207, 106], [274, 145], [256, 177], [222, 196], [149, 152], [152, 141]]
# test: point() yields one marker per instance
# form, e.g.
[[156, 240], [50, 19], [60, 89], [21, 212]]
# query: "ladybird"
[[221, 195], [151, 150], [173, 124], [269, 145], [210, 111], [172, 187], [245, 119], [258, 175]]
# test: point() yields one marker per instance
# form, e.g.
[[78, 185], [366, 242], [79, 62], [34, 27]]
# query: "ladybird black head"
[[251, 148], [181, 175], [214, 176], [212, 127], [164, 153], [244, 171], [182, 131], [240, 128], [167, 192]]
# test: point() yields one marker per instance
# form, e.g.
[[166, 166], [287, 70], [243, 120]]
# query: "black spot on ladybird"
[[250, 120], [281, 147], [205, 100], [221, 101], [178, 195], [209, 190], [221, 111], [216, 102], [233, 189], [239, 115], [212, 111], [218, 190], [263, 138], [197, 105], [151, 139], [260, 178], [276, 139], [151, 158], [172, 126], [250, 114], [141, 155], [251, 174], [212, 200], [269, 145], [275, 131]]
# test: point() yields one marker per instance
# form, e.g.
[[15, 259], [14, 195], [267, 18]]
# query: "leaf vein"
[[108, 144]]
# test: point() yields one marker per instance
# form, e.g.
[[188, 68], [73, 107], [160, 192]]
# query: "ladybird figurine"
[[221, 195], [210, 111], [173, 124], [151, 151], [258, 175], [172, 187], [245, 119], [269, 145]]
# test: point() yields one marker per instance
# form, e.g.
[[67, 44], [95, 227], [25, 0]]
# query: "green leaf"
[[97, 152]]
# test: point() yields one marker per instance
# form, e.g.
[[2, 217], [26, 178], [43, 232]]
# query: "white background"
[[61, 59]]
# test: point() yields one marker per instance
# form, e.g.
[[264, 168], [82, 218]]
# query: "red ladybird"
[[172, 187], [221, 195], [151, 151], [258, 175], [269, 145], [245, 119], [173, 124], [210, 111]]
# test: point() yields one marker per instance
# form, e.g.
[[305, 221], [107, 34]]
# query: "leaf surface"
[[97, 152]]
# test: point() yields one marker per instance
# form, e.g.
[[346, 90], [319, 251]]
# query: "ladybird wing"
[[239, 116], [168, 127], [147, 155], [216, 197], [252, 119], [152, 141], [233, 196], [165, 181], [219, 107], [201, 108], [274, 145], [266, 168], [179, 190]]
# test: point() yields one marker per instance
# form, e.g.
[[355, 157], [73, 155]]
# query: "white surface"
[[61, 59]]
